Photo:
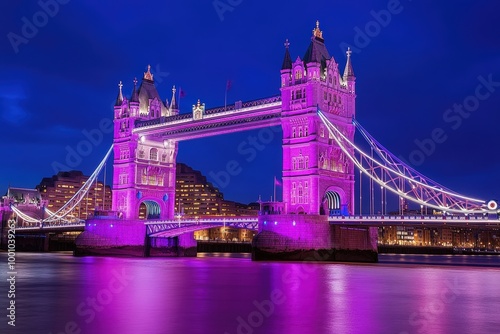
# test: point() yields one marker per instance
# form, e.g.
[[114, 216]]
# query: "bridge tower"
[[143, 169], [317, 177]]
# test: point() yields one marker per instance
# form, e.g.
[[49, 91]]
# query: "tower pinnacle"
[[317, 33], [287, 61], [119, 98], [135, 95], [348, 71], [173, 102], [148, 75]]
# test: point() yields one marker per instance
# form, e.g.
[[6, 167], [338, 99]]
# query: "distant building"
[[58, 189], [195, 196]]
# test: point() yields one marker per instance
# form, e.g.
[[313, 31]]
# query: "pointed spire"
[[287, 61], [148, 75], [119, 98], [173, 102], [348, 71], [135, 95]]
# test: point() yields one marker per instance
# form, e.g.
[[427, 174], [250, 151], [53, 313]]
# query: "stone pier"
[[118, 237], [312, 238]]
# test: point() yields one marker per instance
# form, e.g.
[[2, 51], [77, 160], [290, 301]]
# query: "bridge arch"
[[334, 202], [149, 209]]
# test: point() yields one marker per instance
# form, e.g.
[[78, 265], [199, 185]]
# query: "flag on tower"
[[182, 93], [229, 84], [277, 182]]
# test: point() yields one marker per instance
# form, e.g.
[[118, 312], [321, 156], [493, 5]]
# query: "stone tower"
[[143, 169], [317, 176]]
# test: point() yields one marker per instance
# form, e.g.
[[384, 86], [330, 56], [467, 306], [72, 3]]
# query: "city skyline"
[[399, 70]]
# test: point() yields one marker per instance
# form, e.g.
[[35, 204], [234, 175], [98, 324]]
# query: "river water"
[[228, 293]]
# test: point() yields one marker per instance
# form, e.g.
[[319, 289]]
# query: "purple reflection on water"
[[234, 295]]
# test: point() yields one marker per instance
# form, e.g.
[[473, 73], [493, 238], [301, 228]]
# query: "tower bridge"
[[316, 111]]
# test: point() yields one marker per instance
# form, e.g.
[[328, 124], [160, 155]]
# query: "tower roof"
[[147, 91], [287, 61], [119, 98], [316, 52], [348, 71]]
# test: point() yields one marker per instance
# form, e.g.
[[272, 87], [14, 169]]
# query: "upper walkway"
[[250, 115]]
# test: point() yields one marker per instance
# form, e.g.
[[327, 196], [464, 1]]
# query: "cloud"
[[11, 105]]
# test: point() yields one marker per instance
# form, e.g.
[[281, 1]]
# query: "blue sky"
[[420, 61]]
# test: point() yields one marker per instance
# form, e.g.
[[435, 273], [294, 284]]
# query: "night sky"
[[63, 78]]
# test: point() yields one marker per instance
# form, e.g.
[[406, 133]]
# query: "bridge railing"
[[51, 225]]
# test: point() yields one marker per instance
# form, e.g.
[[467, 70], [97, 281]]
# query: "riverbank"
[[396, 249]]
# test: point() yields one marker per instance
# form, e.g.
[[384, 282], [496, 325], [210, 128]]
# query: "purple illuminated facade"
[[317, 176]]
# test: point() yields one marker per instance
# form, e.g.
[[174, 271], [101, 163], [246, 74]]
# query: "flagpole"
[[275, 189], [228, 86]]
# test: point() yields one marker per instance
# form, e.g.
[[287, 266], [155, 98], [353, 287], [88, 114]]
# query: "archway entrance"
[[149, 210], [333, 204]]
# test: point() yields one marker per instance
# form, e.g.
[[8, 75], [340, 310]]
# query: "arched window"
[[307, 162], [294, 132], [153, 154], [300, 195], [300, 131], [298, 74], [306, 192], [301, 162], [294, 164], [306, 130]]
